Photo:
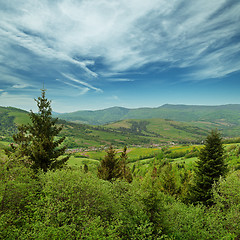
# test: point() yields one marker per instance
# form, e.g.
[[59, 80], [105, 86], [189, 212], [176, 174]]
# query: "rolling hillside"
[[9, 119], [224, 114], [131, 131], [166, 130], [127, 132]]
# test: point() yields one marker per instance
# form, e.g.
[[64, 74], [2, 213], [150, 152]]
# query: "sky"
[[96, 54]]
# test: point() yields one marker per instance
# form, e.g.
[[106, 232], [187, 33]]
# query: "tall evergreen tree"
[[209, 168], [38, 140]]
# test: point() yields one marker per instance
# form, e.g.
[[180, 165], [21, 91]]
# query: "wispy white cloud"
[[83, 90], [113, 98], [20, 86], [125, 35], [12, 79], [38, 46], [120, 80], [81, 82]]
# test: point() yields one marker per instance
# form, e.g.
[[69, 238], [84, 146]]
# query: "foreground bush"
[[73, 205]]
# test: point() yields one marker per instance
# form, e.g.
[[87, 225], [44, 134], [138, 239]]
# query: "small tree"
[[125, 172], [109, 168], [38, 140], [168, 179], [209, 168]]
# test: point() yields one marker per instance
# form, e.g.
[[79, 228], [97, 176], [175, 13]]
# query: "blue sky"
[[95, 54]]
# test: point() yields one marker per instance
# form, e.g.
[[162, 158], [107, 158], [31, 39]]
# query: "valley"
[[161, 157], [145, 131]]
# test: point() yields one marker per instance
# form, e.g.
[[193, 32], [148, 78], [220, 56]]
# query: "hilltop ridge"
[[229, 113]]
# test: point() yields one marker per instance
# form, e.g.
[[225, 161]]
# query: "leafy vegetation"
[[112, 168], [149, 190], [72, 204]]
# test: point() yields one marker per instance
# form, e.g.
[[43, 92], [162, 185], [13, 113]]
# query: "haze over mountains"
[[225, 114]]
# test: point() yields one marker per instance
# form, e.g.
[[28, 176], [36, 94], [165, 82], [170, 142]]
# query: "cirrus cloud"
[[93, 43]]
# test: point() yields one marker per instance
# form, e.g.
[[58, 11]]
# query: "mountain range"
[[225, 114], [120, 126]]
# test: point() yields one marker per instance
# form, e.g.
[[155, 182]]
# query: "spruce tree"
[[109, 168], [38, 140], [209, 168]]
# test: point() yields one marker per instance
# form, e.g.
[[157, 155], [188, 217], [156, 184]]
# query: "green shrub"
[[74, 205]]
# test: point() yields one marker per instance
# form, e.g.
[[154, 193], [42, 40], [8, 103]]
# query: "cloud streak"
[[81, 82], [83, 89]]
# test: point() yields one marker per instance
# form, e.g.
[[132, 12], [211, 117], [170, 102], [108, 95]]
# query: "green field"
[[144, 159]]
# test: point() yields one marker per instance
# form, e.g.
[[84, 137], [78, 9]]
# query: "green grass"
[[135, 154], [92, 164], [20, 117], [4, 143], [189, 163]]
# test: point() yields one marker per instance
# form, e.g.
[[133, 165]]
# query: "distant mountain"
[[225, 114], [126, 132], [96, 117], [195, 123]]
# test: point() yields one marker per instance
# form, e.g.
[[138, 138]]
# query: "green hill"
[[164, 129], [127, 132], [224, 114], [97, 117], [133, 131], [9, 119]]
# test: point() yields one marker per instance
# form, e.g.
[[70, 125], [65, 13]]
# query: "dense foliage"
[[71, 204], [112, 167]]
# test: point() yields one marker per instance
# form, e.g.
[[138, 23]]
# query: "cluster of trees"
[[38, 203]]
